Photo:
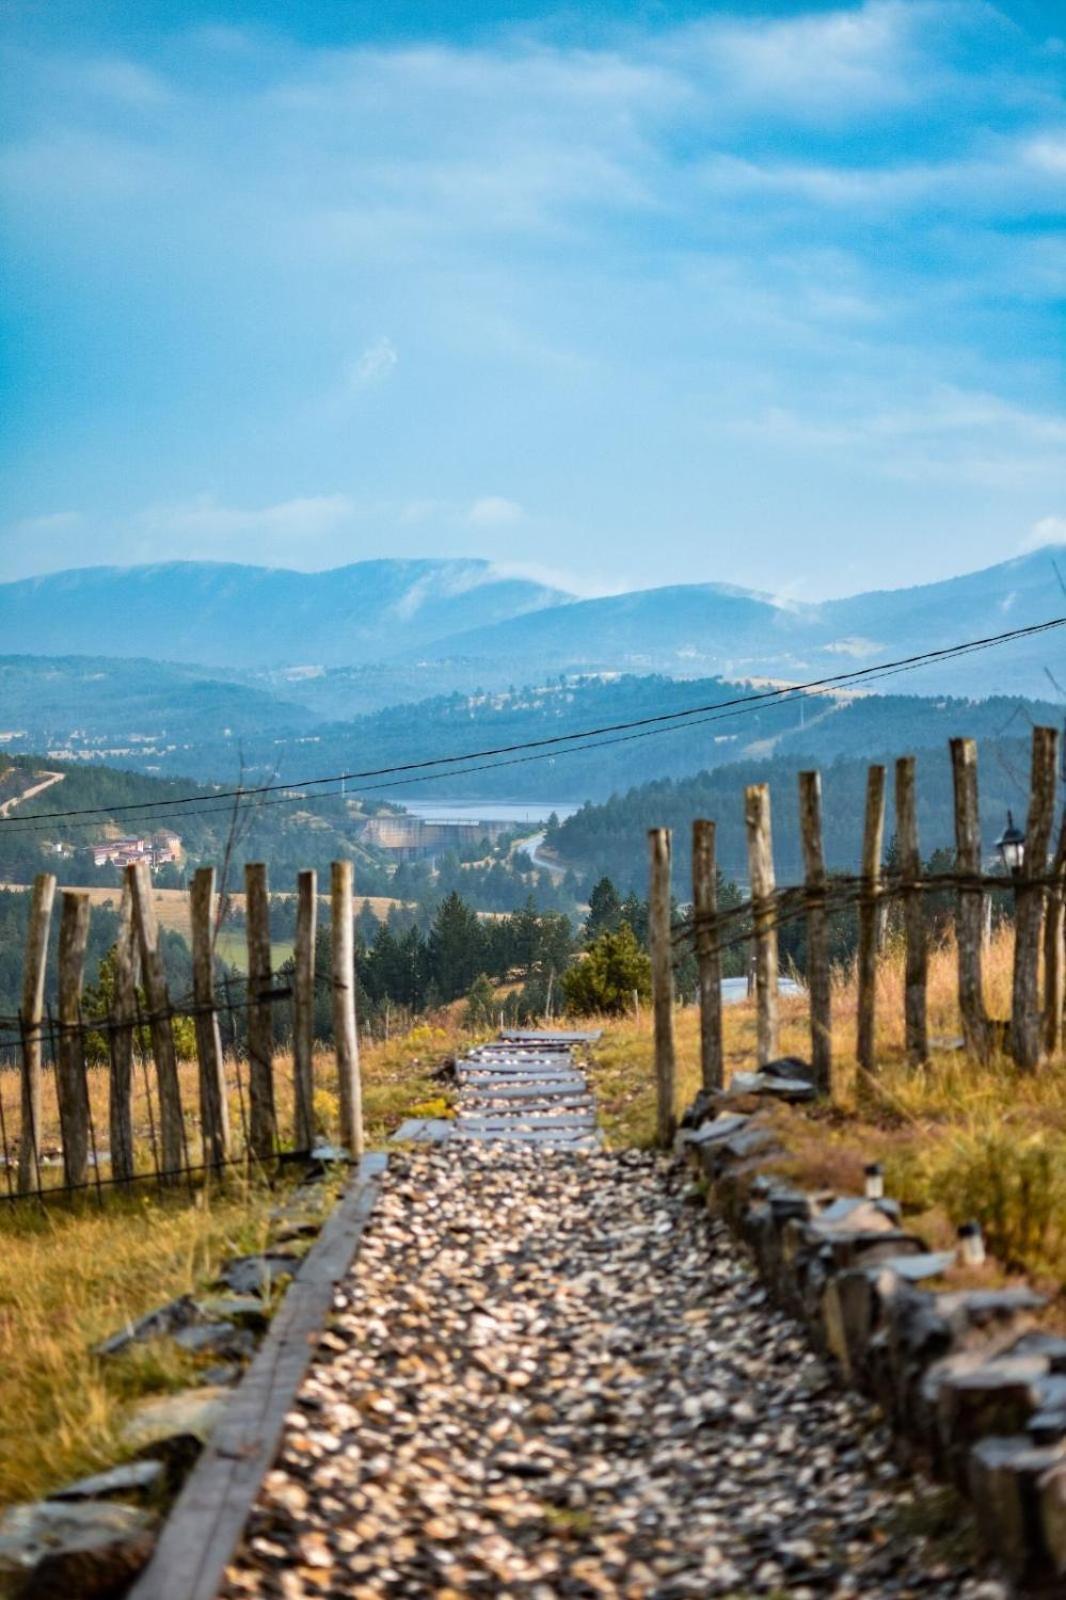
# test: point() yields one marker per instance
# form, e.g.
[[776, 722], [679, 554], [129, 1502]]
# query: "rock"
[[791, 1090], [1051, 1490], [710, 1132], [164, 1320], [994, 1398], [246, 1309], [51, 1550], [174, 1428], [258, 1274], [217, 1339], [131, 1480], [1005, 1479]]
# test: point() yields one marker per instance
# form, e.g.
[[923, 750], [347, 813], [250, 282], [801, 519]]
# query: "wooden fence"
[[1034, 1029], [139, 1027]]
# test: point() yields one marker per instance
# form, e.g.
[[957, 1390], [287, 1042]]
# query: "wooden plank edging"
[[209, 1516]]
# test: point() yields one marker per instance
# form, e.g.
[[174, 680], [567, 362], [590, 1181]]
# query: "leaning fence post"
[[968, 929], [138, 876], [916, 961], [708, 955], [870, 892], [120, 1043], [1054, 920], [1025, 1031], [662, 982], [214, 1111], [819, 988], [262, 1119], [345, 1037], [32, 1016], [72, 1085], [303, 1021], [761, 872]]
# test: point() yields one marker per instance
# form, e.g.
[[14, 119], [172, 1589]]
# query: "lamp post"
[[1011, 847]]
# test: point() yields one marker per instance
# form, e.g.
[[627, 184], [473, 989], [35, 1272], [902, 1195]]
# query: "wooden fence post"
[[662, 983], [345, 1037], [172, 1139], [72, 1085], [214, 1110], [916, 966], [968, 930], [1025, 1031], [761, 872], [120, 1044], [708, 955], [1054, 923], [32, 1016], [870, 892], [819, 987], [262, 1118], [303, 1027]]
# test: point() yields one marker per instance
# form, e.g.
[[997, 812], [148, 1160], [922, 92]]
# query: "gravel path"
[[552, 1374]]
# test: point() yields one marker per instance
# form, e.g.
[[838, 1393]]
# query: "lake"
[[518, 811]]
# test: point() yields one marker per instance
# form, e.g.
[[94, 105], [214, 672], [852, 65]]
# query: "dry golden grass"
[[395, 1077], [172, 905], [70, 1276], [958, 1138], [72, 1272]]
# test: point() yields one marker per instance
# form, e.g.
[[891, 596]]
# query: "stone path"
[[525, 1089], [551, 1373]]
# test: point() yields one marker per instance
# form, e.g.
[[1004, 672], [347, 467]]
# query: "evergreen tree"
[[605, 910], [455, 948]]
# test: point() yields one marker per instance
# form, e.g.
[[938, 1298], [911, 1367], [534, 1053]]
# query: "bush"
[[613, 969]]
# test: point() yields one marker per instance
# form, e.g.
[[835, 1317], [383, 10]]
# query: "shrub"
[[613, 969]]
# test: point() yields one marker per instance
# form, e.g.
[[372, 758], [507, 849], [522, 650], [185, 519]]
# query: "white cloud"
[[494, 511], [306, 531], [1046, 530], [377, 362]]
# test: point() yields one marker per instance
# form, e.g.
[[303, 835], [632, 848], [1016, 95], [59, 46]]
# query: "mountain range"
[[355, 638]]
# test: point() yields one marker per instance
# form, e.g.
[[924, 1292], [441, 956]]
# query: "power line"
[[220, 806], [692, 716]]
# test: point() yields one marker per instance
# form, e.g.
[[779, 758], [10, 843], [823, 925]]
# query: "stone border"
[[208, 1518], [974, 1391]]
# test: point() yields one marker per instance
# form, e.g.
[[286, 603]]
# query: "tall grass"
[[73, 1271], [958, 1138]]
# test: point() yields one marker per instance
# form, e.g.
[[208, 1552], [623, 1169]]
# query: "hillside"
[[379, 632], [170, 721], [610, 838], [701, 629], [225, 615]]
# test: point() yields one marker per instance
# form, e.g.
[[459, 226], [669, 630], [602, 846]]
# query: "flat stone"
[[762, 1083], [54, 1550], [217, 1339], [711, 1132], [164, 1320], [133, 1479], [246, 1309], [424, 1130], [925, 1264], [258, 1274], [174, 1428]]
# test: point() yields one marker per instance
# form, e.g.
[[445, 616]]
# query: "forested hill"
[[200, 740], [610, 838]]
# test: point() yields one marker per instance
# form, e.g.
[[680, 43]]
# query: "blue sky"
[[620, 295]]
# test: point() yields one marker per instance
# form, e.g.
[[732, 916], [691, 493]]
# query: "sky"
[[615, 296]]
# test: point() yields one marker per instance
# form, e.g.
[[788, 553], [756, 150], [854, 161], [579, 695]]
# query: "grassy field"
[[958, 1139], [172, 910], [73, 1272]]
